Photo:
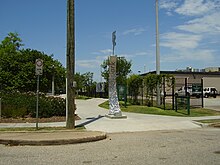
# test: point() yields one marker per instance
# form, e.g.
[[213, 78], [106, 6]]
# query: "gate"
[[193, 88]]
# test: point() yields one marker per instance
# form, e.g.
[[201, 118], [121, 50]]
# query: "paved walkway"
[[92, 117], [94, 120]]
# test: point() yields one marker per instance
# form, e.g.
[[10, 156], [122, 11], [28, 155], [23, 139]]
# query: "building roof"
[[183, 73]]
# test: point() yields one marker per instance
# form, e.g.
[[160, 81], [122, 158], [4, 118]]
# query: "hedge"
[[16, 104]]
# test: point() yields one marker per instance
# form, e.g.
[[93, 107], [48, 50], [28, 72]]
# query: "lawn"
[[41, 129], [195, 112]]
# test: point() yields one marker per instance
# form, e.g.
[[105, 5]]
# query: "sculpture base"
[[116, 116]]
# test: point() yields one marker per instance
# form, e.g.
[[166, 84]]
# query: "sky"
[[189, 31]]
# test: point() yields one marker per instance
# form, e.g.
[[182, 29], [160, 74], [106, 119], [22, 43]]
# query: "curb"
[[20, 140], [203, 125]]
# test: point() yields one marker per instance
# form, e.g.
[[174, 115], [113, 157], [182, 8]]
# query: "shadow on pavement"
[[92, 119]]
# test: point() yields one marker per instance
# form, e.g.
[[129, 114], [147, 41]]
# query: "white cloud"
[[103, 52], [87, 63], [93, 63], [135, 31], [168, 4], [196, 55], [207, 24], [181, 41], [197, 7], [106, 51]]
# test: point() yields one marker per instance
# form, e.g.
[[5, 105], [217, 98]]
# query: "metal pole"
[[53, 75], [173, 91], [37, 104], [113, 51], [0, 107], [113, 42], [53, 85], [157, 53], [202, 95], [66, 100]]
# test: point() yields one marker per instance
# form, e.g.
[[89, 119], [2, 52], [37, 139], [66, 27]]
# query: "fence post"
[[188, 105], [186, 86], [173, 88], [176, 103], [202, 93], [164, 94]]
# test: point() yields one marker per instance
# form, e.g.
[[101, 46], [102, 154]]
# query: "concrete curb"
[[54, 138], [203, 125]]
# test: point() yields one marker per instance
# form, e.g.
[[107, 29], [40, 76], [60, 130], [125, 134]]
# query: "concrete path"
[[97, 126], [93, 118]]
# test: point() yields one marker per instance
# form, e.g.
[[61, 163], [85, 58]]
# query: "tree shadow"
[[91, 119]]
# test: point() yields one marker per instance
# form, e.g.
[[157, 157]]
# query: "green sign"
[[121, 92], [196, 88]]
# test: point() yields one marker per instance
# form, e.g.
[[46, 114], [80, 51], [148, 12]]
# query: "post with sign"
[[38, 72]]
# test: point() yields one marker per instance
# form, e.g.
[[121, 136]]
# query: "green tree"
[[17, 67], [123, 68], [12, 42], [84, 81], [134, 84], [79, 81], [150, 84]]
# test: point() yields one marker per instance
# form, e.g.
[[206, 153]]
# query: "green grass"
[[41, 129], [211, 121], [81, 97], [195, 112]]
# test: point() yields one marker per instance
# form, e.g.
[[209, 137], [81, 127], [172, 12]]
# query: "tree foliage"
[[17, 67], [134, 83], [151, 81], [84, 81], [123, 68]]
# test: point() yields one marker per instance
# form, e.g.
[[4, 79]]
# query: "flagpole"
[[157, 53]]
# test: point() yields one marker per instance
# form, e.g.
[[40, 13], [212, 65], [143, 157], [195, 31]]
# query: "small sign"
[[39, 66], [196, 88], [100, 87]]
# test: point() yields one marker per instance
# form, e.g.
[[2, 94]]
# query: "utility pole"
[[70, 62], [157, 53]]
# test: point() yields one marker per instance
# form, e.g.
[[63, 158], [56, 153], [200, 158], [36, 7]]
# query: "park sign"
[[39, 67], [197, 87]]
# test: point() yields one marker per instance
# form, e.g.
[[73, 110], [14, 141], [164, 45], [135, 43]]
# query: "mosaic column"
[[114, 108]]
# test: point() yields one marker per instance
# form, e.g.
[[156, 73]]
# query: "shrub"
[[17, 104]]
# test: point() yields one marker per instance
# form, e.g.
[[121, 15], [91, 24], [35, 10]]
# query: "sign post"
[[38, 72]]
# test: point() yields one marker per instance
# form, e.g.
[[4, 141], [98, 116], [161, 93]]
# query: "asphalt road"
[[191, 147]]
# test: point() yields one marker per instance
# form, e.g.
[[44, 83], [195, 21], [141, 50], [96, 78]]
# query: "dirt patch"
[[33, 120], [217, 125]]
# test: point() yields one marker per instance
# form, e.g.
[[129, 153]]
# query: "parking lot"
[[212, 103]]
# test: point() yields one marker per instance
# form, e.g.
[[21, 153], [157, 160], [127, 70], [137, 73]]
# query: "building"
[[210, 79], [212, 69]]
